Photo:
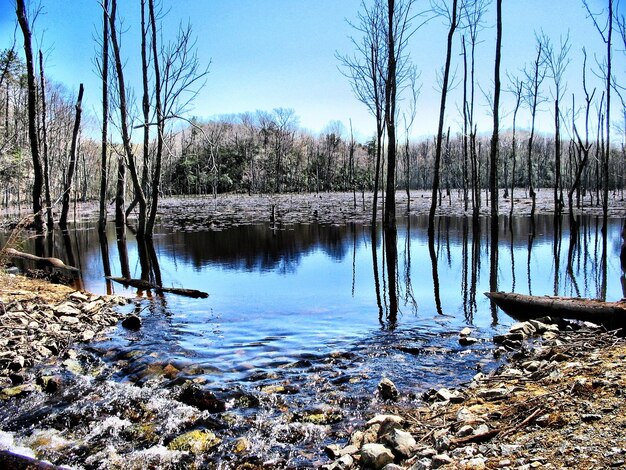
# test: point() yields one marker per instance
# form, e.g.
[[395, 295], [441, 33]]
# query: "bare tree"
[[44, 141], [32, 113], [366, 73], [606, 32], [517, 88], [534, 77], [557, 61], [72, 163], [453, 16], [124, 120], [104, 72], [493, 174]]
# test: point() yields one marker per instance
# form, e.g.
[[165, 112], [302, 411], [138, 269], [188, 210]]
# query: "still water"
[[325, 310]]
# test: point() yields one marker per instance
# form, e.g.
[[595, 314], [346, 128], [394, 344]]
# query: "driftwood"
[[141, 284], [609, 314], [45, 262]]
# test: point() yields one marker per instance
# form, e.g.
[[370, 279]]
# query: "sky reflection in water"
[[277, 295]]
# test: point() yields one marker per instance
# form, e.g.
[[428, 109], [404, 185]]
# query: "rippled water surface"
[[312, 308]]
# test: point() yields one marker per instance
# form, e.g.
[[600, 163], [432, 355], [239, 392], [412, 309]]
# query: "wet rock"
[[241, 445], [279, 389], [392, 466], [50, 383], [196, 442], [202, 399], [320, 415], [131, 322], [465, 332], [388, 390], [375, 456], [467, 340], [525, 328], [17, 391], [385, 419], [345, 462]]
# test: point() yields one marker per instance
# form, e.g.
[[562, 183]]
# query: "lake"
[[305, 316]]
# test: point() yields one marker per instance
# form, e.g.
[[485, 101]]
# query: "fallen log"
[[612, 315], [141, 284], [41, 261]]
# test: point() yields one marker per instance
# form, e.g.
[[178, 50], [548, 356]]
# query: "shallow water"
[[297, 307]]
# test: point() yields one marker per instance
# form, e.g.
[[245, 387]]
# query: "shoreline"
[[449, 429]]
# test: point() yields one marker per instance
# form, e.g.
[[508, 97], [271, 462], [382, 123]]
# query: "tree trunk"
[[32, 115], [442, 110], [72, 165], [156, 177], [102, 215], [128, 150], [493, 174], [44, 137], [390, 118]]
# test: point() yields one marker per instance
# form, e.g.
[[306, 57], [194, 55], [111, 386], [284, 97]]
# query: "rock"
[[464, 415], [241, 445], [453, 396], [388, 390], [204, 400], [17, 391], [482, 429], [196, 442], [493, 393], [78, 296], [441, 440], [66, 309], [440, 460], [476, 463], [50, 383], [69, 320], [401, 442], [422, 464], [332, 451], [88, 335], [375, 456], [385, 419], [467, 340], [524, 328], [320, 415], [392, 466], [131, 322], [345, 462], [465, 430], [465, 331]]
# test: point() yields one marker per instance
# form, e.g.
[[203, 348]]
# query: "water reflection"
[[313, 287]]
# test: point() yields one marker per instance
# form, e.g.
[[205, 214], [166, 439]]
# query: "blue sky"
[[281, 53]]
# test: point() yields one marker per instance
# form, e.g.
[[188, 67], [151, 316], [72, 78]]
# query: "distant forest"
[[47, 157]]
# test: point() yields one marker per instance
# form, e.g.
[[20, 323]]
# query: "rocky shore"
[[39, 324], [557, 402]]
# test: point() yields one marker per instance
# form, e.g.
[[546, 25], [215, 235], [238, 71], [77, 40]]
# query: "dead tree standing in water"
[[557, 64], [72, 163], [32, 114], [454, 22], [534, 78]]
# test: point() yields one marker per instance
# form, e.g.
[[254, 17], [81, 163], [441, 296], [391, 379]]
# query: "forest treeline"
[[44, 144]]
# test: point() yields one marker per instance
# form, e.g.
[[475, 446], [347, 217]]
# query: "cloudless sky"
[[267, 54]]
